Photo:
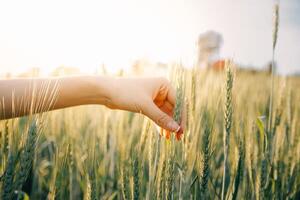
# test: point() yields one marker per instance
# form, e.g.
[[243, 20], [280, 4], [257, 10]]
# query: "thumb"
[[160, 118]]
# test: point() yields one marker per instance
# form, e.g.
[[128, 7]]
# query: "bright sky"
[[87, 33]]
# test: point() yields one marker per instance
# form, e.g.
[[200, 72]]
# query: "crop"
[[234, 146], [120, 155]]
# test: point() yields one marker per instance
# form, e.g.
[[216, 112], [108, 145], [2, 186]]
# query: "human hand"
[[153, 97]]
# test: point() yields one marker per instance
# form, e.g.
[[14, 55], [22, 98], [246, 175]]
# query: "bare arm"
[[27, 96], [153, 97]]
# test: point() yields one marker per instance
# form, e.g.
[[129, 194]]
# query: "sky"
[[87, 34]]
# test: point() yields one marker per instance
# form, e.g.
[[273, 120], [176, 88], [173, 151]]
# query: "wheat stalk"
[[227, 119]]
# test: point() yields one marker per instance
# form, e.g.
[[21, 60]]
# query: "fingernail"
[[172, 125]]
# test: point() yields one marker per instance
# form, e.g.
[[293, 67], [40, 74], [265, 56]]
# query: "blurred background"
[[47, 37]]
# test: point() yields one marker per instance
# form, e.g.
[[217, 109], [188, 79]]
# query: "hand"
[[153, 97]]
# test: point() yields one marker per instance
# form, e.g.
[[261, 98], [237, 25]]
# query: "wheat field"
[[241, 141], [91, 152]]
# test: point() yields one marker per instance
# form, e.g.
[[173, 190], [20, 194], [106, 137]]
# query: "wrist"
[[105, 90]]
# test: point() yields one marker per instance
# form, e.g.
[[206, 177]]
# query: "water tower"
[[208, 47]]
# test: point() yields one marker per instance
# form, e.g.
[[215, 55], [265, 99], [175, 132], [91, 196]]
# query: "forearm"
[[81, 90], [28, 96]]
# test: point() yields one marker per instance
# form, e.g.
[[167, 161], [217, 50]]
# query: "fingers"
[[167, 108], [160, 109], [171, 97], [178, 133], [160, 118]]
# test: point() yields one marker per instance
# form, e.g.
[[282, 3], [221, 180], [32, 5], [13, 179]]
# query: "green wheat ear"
[[205, 160], [239, 173], [178, 79], [228, 103], [227, 119], [178, 104], [26, 157], [274, 42], [93, 183], [136, 180], [276, 24], [124, 183], [7, 185], [161, 180], [88, 190], [169, 184], [6, 139]]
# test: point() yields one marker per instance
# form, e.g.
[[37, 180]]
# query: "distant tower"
[[208, 47]]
